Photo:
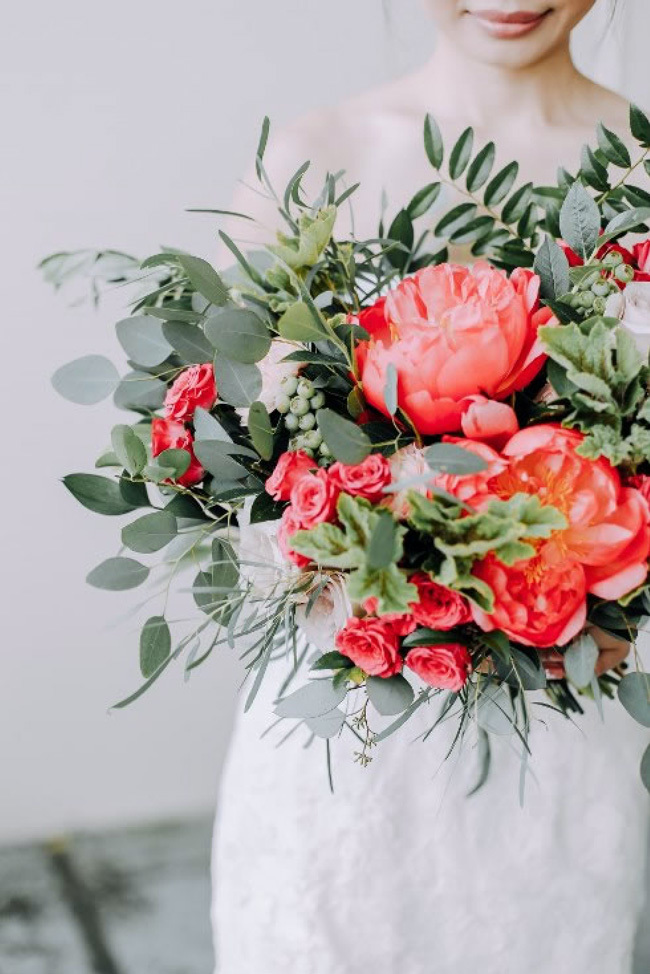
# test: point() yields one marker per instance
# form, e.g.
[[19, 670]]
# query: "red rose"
[[366, 479], [641, 260], [166, 434], [372, 645], [289, 468], [289, 524], [313, 499], [438, 607], [445, 667], [193, 387], [402, 623]]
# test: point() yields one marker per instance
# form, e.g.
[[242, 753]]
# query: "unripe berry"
[[612, 259], [305, 389], [282, 404], [324, 450], [624, 273], [313, 439], [291, 422], [289, 385], [317, 401], [599, 306], [307, 422], [299, 406], [600, 288], [587, 299]]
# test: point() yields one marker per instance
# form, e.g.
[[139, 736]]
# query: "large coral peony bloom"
[[603, 550], [452, 333]]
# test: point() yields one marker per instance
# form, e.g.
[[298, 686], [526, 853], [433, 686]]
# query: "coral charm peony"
[[452, 333], [603, 550]]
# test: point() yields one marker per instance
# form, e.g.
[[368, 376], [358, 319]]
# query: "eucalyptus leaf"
[[87, 380], [98, 494], [206, 427], [216, 457], [150, 533], [580, 660], [129, 449], [453, 459], [143, 340], [315, 699], [204, 278], [140, 391], [328, 725], [239, 334], [176, 460], [347, 441], [155, 645], [390, 389], [261, 430], [189, 342], [645, 768], [118, 574], [634, 694], [298, 324], [382, 547], [624, 222], [389, 696], [238, 384]]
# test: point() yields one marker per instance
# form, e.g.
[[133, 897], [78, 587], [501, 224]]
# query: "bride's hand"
[[612, 650]]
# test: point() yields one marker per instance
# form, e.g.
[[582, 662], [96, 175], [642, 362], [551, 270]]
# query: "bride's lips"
[[506, 26]]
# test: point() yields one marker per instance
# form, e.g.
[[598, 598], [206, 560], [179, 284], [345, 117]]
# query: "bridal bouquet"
[[406, 477]]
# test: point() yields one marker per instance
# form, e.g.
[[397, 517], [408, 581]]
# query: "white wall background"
[[115, 117]]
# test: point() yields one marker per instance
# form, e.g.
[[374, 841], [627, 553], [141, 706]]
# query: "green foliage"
[[150, 533], [239, 334], [305, 248], [580, 660], [506, 529], [129, 449], [143, 340], [346, 440], [238, 384], [605, 389], [87, 380], [261, 430], [98, 494], [389, 696], [362, 536], [634, 694], [118, 574], [155, 645]]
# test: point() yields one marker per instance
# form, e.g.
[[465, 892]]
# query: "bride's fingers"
[[612, 650]]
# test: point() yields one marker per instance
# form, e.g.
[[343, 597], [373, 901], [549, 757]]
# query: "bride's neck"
[[544, 93]]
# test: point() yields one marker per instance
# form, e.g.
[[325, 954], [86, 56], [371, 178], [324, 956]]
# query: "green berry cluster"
[[297, 402], [595, 288]]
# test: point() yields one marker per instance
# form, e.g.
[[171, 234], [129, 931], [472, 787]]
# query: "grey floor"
[[130, 901]]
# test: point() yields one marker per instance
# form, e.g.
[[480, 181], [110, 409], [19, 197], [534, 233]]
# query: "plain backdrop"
[[115, 117]]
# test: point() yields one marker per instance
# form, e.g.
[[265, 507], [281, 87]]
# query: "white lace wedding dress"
[[398, 872]]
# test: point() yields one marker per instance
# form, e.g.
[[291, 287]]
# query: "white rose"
[[262, 564], [327, 615], [274, 370], [632, 308], [407, 464]]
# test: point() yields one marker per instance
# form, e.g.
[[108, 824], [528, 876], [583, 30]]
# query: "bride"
[[454, 884]]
